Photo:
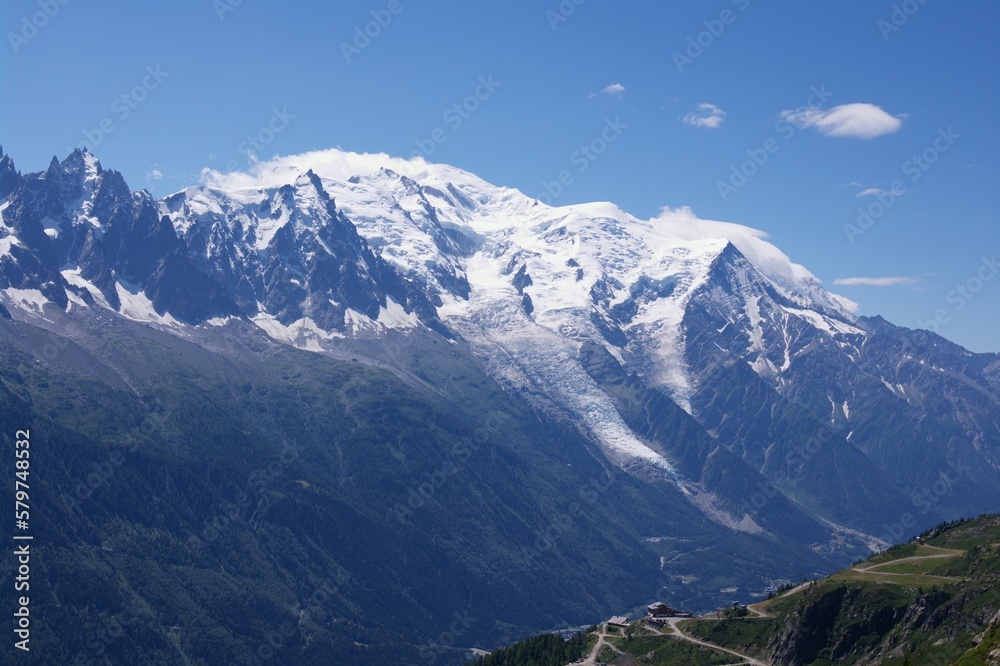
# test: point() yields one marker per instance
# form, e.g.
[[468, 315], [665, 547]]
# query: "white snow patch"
[[268, 227], [358, 321], [897, 389], [7, 242], [72, 275], [524, 353], [220, 321], [826, 324], [394, 316], [135, 305], [302, 333], [33, 299], [50, 227], [755, 333]]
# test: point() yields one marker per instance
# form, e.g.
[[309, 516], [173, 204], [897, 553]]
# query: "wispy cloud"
[[330, 163], [846, 303], [868, 191], [614, 90], [858, 120], [706, 115], [155, 174], [876, 281]]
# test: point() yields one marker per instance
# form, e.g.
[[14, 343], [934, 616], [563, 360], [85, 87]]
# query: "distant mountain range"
[[483, 389]]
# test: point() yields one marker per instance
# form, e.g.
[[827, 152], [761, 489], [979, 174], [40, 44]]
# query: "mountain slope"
[[209, 491], [932, 601], [351, 248], [687, 407]]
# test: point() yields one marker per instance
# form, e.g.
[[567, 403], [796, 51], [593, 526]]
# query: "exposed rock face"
[[707, 362]]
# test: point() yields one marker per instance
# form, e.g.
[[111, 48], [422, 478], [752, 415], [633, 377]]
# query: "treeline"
[[945, 526], [541, 650]]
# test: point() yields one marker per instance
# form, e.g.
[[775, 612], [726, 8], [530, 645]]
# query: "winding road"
[[758, 610], [943, 554], [680, 634], [591, 660]]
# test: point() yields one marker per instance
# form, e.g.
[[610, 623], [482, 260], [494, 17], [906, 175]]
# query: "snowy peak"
[[301, 262], [640, 333], [330, 238], [78, 167], [283, 255], [764, 321], [74, 179], [9, 177]]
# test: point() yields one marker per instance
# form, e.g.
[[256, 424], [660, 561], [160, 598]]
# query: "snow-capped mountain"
[[713, 330]]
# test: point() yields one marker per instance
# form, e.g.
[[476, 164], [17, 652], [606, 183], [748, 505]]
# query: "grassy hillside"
[[930, 602], [933, 601]]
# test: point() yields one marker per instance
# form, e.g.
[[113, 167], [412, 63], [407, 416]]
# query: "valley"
[[336, 408], [933, 600]]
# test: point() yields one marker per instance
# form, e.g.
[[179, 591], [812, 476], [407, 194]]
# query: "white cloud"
[[858, 120], [876, 282], [332, 163], [766, 257], [155, 174], [846, 303], [869, 191], [613, 90], [706, 115], [682, 223]]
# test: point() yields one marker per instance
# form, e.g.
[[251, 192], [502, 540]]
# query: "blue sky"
[[833, 99]]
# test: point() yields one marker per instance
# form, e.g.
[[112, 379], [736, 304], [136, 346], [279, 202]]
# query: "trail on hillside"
[[680, 634], [591, 659], [758, 609], [943, 554]]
